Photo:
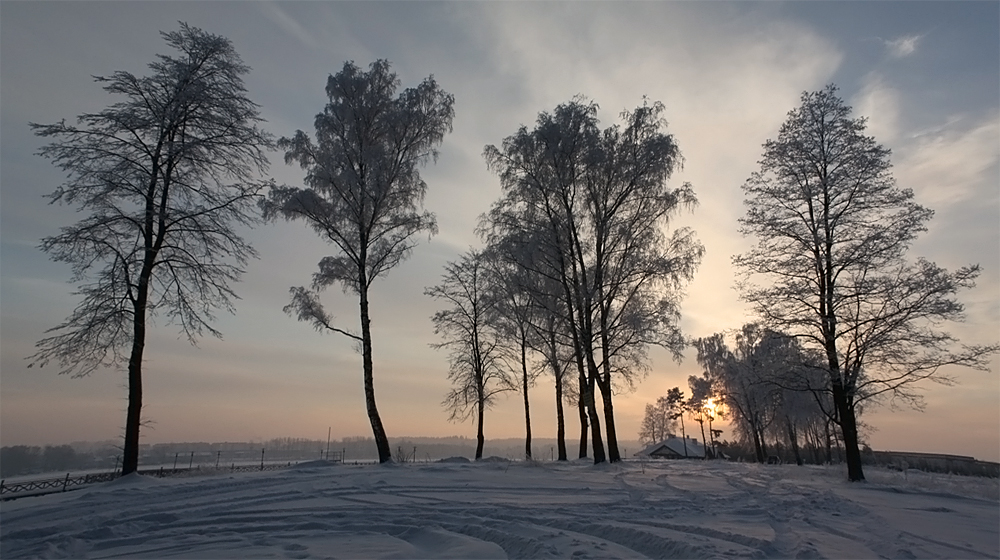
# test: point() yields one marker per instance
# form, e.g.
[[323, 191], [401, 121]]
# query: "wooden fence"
[[12, 491]]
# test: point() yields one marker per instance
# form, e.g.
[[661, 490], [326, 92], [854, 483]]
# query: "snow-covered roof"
[[674, 447]]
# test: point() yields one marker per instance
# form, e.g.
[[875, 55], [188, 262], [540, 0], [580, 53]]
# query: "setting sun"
[[710, 407]]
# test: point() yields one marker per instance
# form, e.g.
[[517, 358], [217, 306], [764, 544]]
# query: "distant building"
[[933, 462], [674, 448]]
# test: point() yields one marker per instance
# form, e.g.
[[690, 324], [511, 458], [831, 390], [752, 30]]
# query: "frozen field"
[[517, 510]]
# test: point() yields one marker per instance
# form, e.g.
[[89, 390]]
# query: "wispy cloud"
[[952, 163], [280, 17], [879, 102], [904, 46]]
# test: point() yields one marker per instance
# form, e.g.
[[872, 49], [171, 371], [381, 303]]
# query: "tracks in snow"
[[669, 510]]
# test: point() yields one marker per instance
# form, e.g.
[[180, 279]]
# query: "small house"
[[674, 448]]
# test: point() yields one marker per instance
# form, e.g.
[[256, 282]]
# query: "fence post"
[[65, 482], [161, 471], [191, 462], [1, 486], [175, 460], [261, 458], [218, 456]]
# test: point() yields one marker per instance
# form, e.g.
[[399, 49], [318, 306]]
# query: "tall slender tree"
[[702, 391], [517, 322], [676, 405], [832, 231], [552, 343], [166, 175], [534, 319], [469, 327], [364, 193]]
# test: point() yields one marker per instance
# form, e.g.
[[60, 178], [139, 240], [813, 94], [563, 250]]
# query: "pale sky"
[[926, 74]]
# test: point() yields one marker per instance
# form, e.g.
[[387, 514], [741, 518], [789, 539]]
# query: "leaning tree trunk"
[[763, 444], [609, 420], [381, 440], [524, 389], [595, 424], [587, 401], [684, 437], [130, 453], [815, 443], [560, 427], [794, 439], [704, 442], [560, 419], [480, 439], [582, 409], [849, 430], [711, 436], [606, 393], [829, 442], [758, 447], [842, 402], [557, 373], [133, 416], [582, 351]]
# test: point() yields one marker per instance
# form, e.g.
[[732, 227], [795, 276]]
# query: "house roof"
[[674, 446]]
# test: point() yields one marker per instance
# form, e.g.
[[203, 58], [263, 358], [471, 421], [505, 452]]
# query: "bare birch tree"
[[364, 193], [166, 175], [469, 328], [517, 319]]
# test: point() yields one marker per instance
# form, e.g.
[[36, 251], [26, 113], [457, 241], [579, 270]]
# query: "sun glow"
[[710, 407]]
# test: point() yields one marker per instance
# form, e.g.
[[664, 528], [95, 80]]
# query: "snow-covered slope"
[[666, 509]]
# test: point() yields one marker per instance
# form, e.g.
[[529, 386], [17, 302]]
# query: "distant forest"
[[19, 460]]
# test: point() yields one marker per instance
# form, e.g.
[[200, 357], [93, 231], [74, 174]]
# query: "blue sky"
[[926, 74]]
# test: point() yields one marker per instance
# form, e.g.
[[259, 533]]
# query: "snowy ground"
[[670, 509]]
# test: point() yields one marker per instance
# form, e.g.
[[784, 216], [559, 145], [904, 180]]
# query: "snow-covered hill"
[[669, 509]]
